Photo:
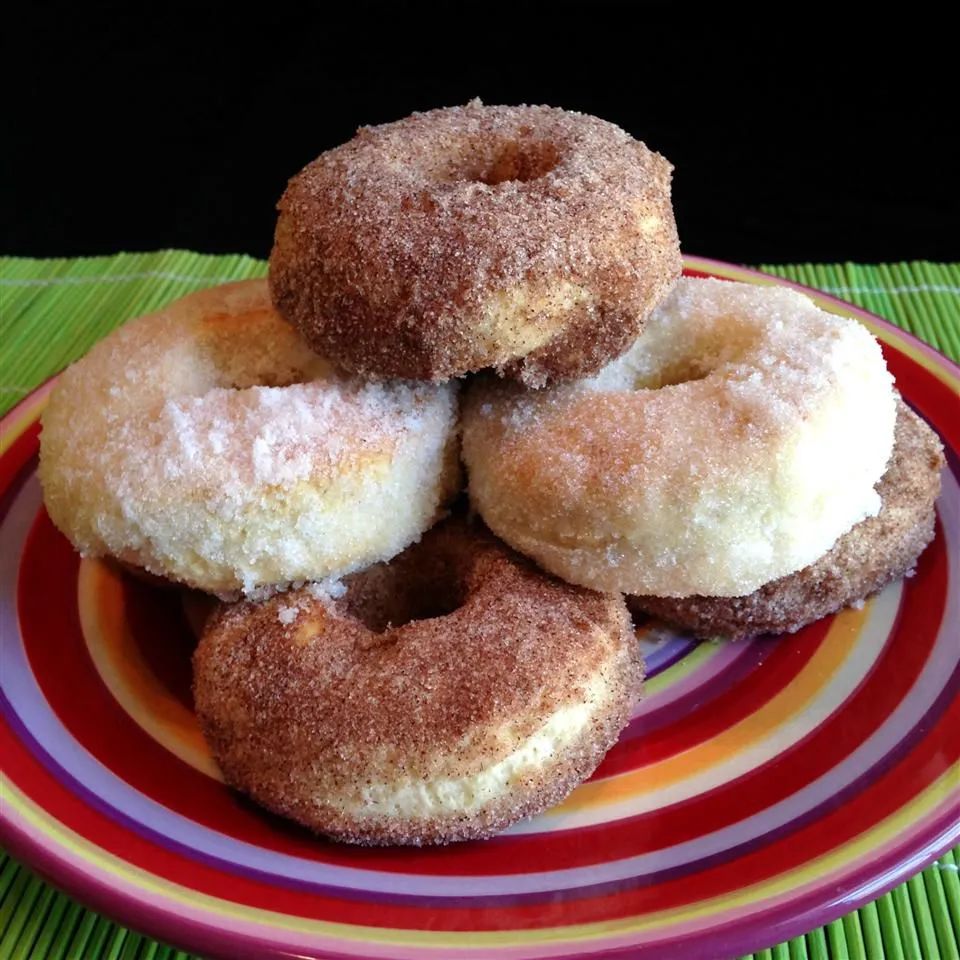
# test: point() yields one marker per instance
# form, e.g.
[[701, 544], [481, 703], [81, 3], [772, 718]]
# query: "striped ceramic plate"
[[762, 788]]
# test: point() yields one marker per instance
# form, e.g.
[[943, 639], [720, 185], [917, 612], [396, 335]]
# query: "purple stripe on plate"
[[736, 662], [861, 782], [665, 656], [14, 488]]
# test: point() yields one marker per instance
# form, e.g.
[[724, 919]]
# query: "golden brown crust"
[[530, 239], [308, 702], [871, 555]]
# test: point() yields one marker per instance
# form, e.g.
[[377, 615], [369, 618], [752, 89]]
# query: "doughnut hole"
[[503, 161], [667, 360], [249, 350], [420, 584], [225, 351]]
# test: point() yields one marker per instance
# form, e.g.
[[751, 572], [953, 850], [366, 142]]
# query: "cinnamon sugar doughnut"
[[442, 697], [529, 239], [875, 552], [740, 436], [207, 444]]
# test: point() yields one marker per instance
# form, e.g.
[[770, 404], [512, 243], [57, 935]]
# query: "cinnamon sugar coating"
[[529, 239], [442, 697], [875, 552]]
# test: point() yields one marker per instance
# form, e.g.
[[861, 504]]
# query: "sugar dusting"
[[220, 451], [695, 462], [391, 249], [357, 716], [865, 559]]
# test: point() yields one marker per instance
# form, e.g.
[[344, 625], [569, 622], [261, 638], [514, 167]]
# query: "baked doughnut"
[[442, 697], [529, 239], [207, 444], [740, 436], [875, 552]]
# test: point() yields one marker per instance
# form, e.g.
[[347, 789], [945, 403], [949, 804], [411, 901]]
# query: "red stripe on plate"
[[148, 767], [755, 689], [920, 768], [928, 394], [18, 454]]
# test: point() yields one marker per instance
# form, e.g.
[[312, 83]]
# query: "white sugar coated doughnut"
[[739, 437], [207, 444]]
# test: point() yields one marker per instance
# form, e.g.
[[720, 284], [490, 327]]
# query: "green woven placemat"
[[52, 311]]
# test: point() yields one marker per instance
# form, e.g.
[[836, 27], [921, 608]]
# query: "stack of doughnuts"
[[391, 663]]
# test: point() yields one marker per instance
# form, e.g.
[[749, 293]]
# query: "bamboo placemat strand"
[[53, 311]]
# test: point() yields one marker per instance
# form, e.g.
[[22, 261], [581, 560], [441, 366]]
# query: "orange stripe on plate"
[[777, 712]]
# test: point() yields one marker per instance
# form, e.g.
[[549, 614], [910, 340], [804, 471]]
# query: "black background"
[[793, 136]]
